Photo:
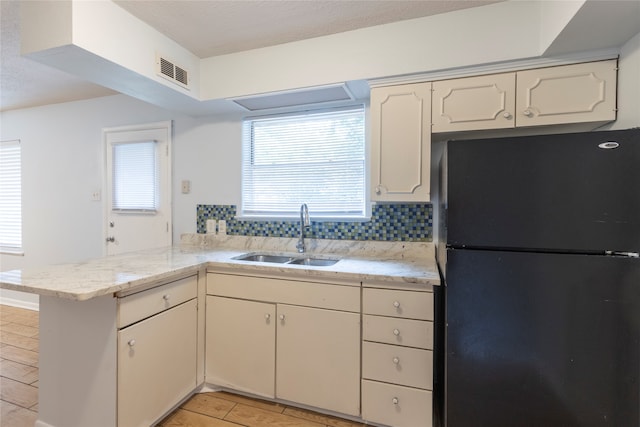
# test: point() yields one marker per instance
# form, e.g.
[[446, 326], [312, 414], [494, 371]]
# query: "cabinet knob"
[[507, 115], [281, 317], [267, 316], [396, 304], [528, 113], [395, 401], [378, 190], [396, 332], [165, 297], [131, 342], [396, 360]]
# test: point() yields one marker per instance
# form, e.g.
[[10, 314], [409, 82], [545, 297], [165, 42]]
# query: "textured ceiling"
[[211, 28], [206, 28]]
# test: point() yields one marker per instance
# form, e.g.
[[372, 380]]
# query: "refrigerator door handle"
[[626, 254]]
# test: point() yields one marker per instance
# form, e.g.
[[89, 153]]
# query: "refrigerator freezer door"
[[536, 339], [571, 192]]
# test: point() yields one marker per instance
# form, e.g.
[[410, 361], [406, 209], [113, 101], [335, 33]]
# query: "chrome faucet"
[[305, 221]]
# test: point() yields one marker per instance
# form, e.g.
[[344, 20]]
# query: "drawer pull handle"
[[396, 332], [396, 360], [165, 297], [131, 343], [282, 317], [396, 304], [267, 316], [395, 401]]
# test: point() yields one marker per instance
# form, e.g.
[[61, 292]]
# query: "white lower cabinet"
[[318, 358], [240, 345], [156, 364], [157, 350], [397, 357], [281, 338]]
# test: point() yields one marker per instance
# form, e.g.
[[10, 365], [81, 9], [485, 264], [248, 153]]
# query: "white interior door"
[[138, 187]]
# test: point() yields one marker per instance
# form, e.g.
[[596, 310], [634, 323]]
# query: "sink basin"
[[283, 259], [264, 258], [316, 262]]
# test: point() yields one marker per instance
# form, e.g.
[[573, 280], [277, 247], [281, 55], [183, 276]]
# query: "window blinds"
[[316, 158], [10, 196], [135, 177]]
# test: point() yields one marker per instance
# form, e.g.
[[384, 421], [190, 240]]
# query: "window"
[[10, 197], [135, 176], [317, 158]]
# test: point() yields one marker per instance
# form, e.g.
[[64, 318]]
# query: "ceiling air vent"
[[170, 71], [301, 97]]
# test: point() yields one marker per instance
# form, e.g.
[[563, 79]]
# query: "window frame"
[[117, 180], [10, 247], [363, 215]]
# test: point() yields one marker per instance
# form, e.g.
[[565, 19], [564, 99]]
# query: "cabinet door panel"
[[567, 94], [318, 361], [401, 142], [240, 345], [484, 102], [156, 365]]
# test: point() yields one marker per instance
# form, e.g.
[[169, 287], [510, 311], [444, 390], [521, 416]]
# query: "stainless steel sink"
[[316, 262], [283, 259], [278, 259]]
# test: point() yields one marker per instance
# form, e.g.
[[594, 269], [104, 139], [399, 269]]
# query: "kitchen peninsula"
[[116, 326]]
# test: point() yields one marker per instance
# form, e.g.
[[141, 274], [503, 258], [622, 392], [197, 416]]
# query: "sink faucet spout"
[[305, 221]]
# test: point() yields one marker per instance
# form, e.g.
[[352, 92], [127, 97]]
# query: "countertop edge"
[[420, 274]]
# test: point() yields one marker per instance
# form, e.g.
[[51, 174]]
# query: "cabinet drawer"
[[407, 304], [392, 330], [135, 307], [398, 365], [396, 406]]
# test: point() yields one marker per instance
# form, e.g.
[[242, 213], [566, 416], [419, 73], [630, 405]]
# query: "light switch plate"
[[186, 186]]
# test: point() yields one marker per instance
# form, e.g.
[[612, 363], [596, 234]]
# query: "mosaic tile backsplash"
[[389, 222]]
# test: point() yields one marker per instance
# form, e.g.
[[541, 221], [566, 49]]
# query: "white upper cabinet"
[[567, 94], [401, 143], [545, 96], [484, 102]]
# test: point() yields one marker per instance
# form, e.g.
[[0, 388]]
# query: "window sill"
[[297, 218], [11, 251]]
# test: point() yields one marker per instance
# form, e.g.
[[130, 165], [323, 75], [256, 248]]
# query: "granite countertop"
[[387, 262]]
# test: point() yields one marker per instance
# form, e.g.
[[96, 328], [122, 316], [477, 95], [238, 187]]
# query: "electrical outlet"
[[211, 226], [96, 196], [222, 226]]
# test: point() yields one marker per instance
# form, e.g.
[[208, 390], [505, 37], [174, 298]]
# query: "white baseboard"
[[19, 302]]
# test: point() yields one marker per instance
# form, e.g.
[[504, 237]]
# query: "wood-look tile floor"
[[19, 390]]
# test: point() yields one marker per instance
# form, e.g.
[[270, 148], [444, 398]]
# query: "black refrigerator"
[[539, 240]]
